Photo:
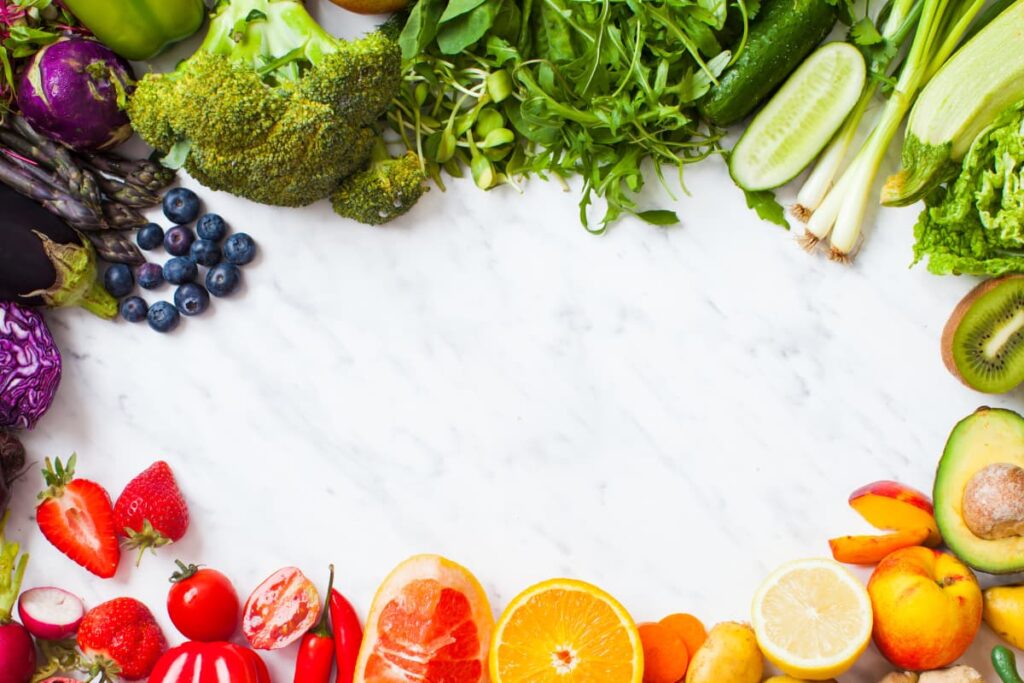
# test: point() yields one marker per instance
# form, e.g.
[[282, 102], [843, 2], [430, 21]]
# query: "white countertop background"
[[668, 413]]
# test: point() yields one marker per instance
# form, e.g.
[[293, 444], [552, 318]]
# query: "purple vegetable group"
[[30, 367], [74, 92]]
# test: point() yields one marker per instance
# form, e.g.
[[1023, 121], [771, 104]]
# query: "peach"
[[893, 506], [927, 607], [872, 549]]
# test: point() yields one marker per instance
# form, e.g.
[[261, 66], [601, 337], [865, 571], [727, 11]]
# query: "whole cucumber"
[[782, 35]]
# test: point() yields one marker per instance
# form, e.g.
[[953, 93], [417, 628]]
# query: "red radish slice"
[[50, 613]]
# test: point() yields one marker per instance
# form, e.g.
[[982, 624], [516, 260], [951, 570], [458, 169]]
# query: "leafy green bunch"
[[560, 88], [26, 26]]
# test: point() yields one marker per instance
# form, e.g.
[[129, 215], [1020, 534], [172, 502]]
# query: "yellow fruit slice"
[[430, 622], [566, 631], [812, 619]]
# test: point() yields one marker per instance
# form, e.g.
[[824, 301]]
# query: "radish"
[[50, 613], [17, 652]]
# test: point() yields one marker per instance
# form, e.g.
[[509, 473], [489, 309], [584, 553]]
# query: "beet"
[[74, 90], [17, 654]]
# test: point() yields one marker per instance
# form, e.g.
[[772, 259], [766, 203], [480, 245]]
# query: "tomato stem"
[[185, 571]]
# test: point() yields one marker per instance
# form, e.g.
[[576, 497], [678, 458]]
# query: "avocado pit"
[[993, 503]]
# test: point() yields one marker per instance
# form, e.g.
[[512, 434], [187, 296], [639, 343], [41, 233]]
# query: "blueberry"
[[181, 205], [191, 299], [180, 270], [118, 280], [133, 309], [223, 279], [205, 252], [239, 249], [163, 317], [149, 275], [178, 241], [150, 236], [211, 227]]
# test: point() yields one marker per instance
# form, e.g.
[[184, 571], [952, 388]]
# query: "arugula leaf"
[[605, 90], [466, 29], [420, 28], [659, 217], [767, 207], [459, 7]]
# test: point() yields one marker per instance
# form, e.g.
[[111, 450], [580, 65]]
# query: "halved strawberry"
[[76, 516]]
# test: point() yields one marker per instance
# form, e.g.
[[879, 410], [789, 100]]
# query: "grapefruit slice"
[[430, 622], [565, 631]]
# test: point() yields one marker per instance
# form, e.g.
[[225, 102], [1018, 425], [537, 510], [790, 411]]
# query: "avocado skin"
[[968, 450]]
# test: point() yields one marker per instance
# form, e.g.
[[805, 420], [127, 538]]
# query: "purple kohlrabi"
[[29, 366]]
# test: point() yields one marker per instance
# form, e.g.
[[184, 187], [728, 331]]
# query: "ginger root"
[[956, 674], [900, 677]]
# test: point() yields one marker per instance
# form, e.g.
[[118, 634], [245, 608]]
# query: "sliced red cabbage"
[[30, 367]]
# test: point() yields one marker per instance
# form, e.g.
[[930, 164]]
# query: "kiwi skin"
[[949, 331]]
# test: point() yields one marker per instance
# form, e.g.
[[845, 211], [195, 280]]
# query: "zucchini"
[[797, 123], [980, 81], [782, 35]]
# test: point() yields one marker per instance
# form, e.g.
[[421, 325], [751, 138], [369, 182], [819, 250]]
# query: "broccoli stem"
[[277, 38]]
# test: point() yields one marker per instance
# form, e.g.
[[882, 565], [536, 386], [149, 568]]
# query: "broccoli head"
[[271, 107], [382, 191]]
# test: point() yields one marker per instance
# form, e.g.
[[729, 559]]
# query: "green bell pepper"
[[139, 29]]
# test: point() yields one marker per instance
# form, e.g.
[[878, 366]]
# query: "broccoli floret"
[[384, 190], [271, 107]]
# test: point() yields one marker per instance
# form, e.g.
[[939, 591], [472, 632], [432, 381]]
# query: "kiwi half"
[[983, 341]]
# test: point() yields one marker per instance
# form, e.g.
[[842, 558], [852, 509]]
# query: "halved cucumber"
[[800, 119]]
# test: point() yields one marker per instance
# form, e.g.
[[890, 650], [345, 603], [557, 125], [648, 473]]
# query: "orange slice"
[[565, 631], [430, 622]]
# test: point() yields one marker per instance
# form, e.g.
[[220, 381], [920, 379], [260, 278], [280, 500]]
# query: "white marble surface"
[[667, 413]]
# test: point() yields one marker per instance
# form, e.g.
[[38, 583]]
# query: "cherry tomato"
[[203, 604], [280, 610], [209, 663]]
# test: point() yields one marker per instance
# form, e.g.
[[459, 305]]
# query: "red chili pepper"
[[348, 636], [316, 653]]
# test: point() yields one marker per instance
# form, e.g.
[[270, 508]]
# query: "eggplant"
[[45, 262]]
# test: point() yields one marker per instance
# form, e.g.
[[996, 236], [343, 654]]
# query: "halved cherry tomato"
[[209, 663], [280, 610], [203, 604]]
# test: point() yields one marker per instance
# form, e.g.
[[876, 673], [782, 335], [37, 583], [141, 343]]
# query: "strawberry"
[[76, 516], [121, 638], [151, 512]]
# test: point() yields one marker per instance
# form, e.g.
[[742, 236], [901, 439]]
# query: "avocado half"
[[989, 436]]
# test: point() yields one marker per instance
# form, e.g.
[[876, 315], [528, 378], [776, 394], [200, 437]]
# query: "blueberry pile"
[[214, 250]]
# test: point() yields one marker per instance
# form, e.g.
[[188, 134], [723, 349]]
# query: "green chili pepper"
[[1005, 664], [139, 29]]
